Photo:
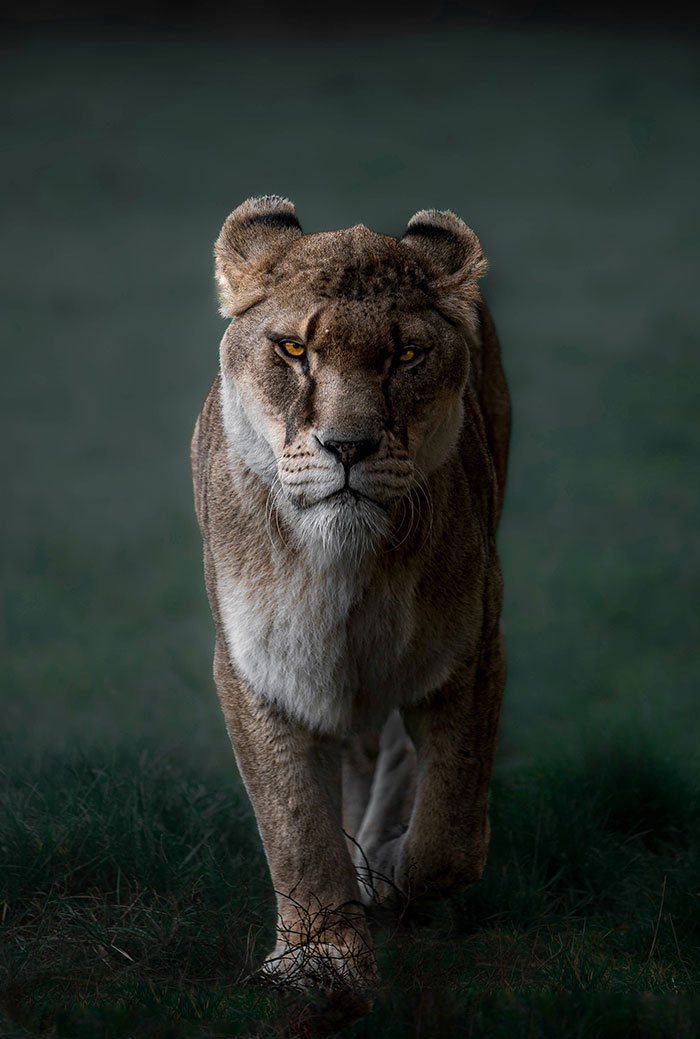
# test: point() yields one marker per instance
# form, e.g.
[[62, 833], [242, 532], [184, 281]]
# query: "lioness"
[[349, 466]]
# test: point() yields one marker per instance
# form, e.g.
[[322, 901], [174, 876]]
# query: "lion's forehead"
[[353, 265], [364, 279], [355, 324]]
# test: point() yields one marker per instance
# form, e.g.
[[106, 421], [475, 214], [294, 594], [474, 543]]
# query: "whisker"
[[278, 495], [405, 501], [421, 484], [269, 504]]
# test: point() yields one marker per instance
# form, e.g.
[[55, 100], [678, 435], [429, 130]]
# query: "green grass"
[[135, 896], [134, 892]]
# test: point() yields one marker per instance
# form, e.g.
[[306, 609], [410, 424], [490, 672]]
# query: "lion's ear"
[[451, 256], [253, 235]]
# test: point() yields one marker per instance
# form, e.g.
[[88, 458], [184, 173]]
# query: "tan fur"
[[358, 656]]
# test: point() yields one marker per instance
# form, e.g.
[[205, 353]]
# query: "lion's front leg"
[[294, 783], [444, 847]]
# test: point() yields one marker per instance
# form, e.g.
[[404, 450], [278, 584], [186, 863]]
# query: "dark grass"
[[136, 900]]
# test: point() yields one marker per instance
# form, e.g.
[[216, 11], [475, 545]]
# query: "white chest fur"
[[333, 647]]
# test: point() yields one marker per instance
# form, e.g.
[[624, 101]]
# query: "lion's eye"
[[292, 349], [409, 355]]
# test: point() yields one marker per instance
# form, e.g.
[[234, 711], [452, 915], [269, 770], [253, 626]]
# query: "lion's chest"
[[335, 651]]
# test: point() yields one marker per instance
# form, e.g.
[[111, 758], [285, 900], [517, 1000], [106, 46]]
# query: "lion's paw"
[[319, 965], [376, 872]]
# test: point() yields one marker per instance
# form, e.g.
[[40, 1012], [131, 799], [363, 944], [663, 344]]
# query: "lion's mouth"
[[346, 497], [349, 496]]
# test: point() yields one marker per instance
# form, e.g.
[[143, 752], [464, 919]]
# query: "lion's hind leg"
[[390, 802], [360, 754]]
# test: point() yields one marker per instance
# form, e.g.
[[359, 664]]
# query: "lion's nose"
[[350, 452]]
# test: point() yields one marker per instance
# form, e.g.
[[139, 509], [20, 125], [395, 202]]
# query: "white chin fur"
[[340, 527]]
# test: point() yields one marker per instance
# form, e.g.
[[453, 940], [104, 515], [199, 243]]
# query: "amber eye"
[[408, 355], [292, 349]]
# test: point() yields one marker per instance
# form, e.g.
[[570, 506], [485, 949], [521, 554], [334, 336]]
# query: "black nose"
[[349, 452]]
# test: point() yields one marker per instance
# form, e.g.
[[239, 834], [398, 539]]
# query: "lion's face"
[[347, 374]]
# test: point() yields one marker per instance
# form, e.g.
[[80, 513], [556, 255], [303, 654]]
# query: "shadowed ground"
[[131, 874]]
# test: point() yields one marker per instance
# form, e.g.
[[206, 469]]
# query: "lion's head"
[[345, 362]]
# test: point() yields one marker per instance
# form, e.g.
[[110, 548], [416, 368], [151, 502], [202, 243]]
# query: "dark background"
[[566, 135], [571, 149]]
